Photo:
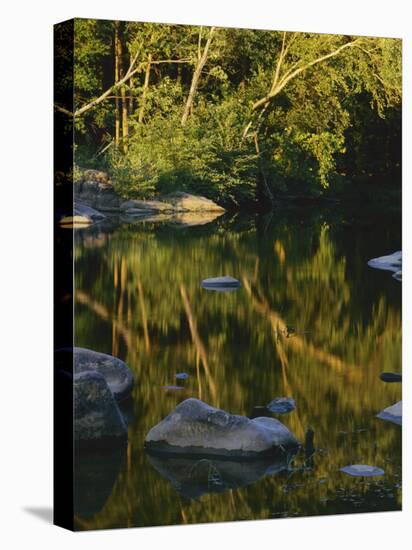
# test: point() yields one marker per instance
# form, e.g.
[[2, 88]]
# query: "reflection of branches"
[[197, 342], [144, 315], [297, 343], [102, 312]]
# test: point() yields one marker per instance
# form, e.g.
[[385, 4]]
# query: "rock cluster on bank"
[[96, 190]]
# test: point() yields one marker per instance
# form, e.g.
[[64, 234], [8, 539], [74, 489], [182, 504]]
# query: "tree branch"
[[285, 79], [122, 81]]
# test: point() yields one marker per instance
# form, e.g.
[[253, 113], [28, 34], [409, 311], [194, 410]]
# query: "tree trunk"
[[124, 110], [116, 79], [145, 88], [131, 96], [202, 58]]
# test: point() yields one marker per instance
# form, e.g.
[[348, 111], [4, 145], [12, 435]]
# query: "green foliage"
[[320, 122], [166, 156]]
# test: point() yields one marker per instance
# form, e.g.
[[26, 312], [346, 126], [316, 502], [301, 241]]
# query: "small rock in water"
[[74, 221], [281, 405], [398, 276], [392, 262], [182, 376], [392, 414], [362, 470], [221, 284], [390, 377]]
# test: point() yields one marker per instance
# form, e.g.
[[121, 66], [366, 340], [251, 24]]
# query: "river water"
[[310, 321]]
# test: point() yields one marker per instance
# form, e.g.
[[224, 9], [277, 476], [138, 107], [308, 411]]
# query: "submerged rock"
[[194, 477], [390, 377], [182, 376], [362, 470], [221, 283], [194, 427], [392, 414], [97, 418], [281, 405], [116, 373]]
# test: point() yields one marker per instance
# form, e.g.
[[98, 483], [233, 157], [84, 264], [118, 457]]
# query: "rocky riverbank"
[[96, 199]]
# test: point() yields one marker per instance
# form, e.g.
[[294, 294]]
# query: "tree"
[[274, 112], [201, 61]]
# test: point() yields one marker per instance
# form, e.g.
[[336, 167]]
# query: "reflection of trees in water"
[[143, 289]]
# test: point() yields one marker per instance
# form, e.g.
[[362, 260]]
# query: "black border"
[[63, 514]]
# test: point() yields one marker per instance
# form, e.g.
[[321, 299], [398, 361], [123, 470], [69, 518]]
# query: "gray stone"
[[390, 377], [221, 283], [93, 215], [362, 470], [186, 202], [392, 414], [195, 427], [116, 373], [398, 275], [392, 262], [96, 190], [147, 206], [281, 405], [97, 417]]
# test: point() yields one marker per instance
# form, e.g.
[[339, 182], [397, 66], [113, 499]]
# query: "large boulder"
[[194, 427], [97, 418], [117, 374], [175, 203], [96, 189], [88, 212], [133, 206], [186, 202]]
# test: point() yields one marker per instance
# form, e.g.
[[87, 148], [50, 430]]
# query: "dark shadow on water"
[[42, 513]]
